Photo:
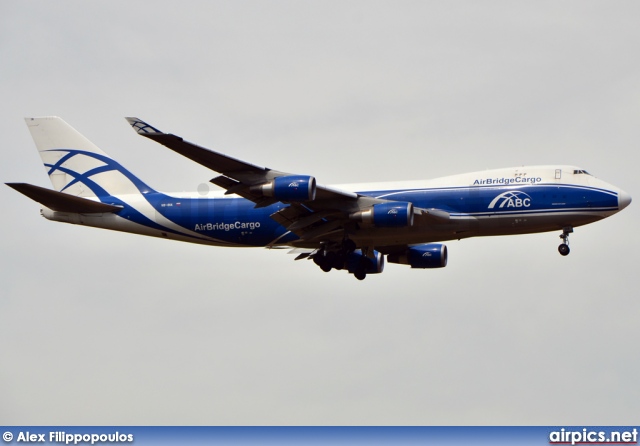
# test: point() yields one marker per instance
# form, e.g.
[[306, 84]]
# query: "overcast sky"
[[100, 327]]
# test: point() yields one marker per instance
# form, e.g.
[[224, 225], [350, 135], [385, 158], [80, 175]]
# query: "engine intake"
[[293, 188], [396, 214], [433, 255]]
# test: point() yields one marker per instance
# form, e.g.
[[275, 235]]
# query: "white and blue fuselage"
[[343, 227], [495, 202]]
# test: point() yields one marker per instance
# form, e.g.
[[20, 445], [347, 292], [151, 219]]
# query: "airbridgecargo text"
[[516, 180], [250, 225]]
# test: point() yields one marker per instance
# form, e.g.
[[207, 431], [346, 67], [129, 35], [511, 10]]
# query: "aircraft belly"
[[115, 222], [464, 227], [533, 223], [461, 228]]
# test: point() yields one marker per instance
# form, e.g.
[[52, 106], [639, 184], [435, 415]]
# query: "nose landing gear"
[[563, 249]]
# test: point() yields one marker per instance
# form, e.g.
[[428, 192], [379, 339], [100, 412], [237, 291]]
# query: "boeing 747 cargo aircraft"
[[349, 227]]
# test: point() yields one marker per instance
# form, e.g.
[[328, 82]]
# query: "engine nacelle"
[[396, 214], [294, 188], [433, 255], [371, 265]]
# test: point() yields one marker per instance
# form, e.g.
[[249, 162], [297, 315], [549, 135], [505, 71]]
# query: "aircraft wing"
[[324, 216], [327, 212], [237, 176]]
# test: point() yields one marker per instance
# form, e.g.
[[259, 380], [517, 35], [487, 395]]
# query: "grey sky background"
[[100, 327]]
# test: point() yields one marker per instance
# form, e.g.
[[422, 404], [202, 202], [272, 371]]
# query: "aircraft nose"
[[623, 199]]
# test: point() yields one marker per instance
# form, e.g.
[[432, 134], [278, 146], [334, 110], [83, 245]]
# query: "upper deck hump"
[[523, 175]]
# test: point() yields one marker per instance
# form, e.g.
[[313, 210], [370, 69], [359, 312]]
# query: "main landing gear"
[[330, 257], [563, 249]]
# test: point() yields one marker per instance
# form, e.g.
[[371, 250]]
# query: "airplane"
[[350, 227]]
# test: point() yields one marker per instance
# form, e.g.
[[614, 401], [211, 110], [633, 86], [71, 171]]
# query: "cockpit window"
[[581, 172]]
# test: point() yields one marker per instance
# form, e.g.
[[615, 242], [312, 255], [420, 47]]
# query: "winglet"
[[141, 127]]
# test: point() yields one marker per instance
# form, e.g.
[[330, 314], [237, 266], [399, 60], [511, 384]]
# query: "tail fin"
[[78, 167]]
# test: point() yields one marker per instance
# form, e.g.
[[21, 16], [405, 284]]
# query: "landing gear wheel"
[[360, 274], [563, 249], [330, 259], [324, 261], [349, 245]]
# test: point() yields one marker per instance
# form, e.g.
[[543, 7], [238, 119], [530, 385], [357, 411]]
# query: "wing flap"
[[321, 230], [61, 202], [307, 224], [311, 219]]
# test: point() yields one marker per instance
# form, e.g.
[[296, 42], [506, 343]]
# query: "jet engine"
[[433, 255], [395, 214], [292, 189]]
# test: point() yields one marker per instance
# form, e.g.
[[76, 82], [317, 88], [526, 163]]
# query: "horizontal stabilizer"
[[61, 202]]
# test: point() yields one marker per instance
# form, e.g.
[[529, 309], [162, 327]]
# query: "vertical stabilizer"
[[76, 166]]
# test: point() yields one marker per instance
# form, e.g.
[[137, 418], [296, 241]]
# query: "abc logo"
[[511, 199]]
